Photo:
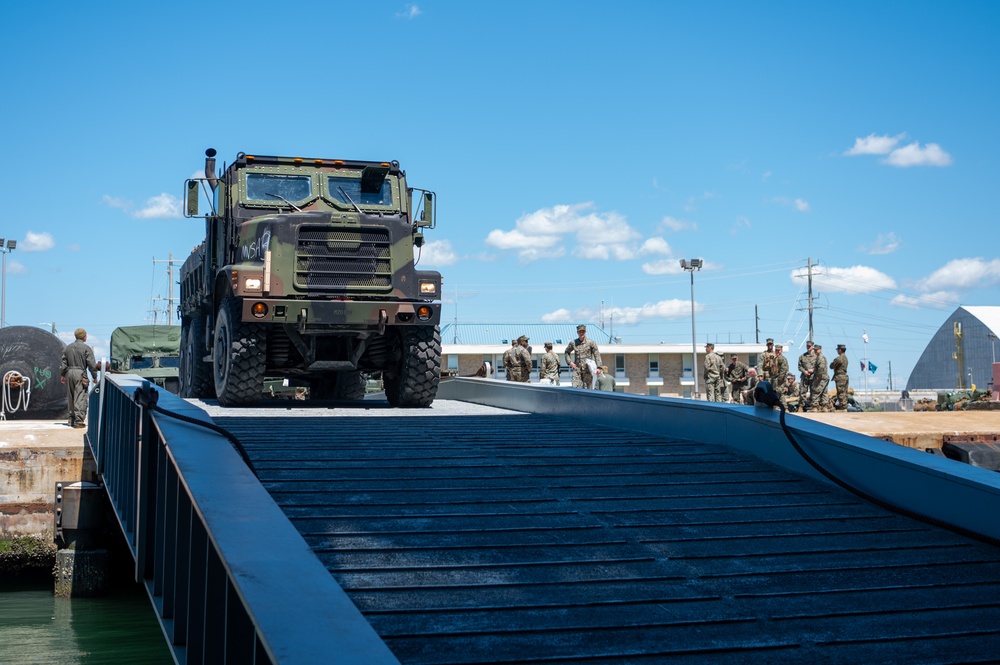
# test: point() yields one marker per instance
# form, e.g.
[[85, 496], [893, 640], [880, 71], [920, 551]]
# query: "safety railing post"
[[145, 518]]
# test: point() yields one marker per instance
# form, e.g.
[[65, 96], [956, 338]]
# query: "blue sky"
[[579, 151]]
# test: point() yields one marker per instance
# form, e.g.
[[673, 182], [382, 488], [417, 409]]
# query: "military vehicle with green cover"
[[307, 272], [152, 352]]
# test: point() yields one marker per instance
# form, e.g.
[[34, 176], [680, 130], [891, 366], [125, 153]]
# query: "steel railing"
[[230, 579]]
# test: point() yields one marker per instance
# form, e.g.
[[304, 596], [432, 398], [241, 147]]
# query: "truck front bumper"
[[340, 315]]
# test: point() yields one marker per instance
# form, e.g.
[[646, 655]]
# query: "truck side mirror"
[[191, 197], [426, 219]]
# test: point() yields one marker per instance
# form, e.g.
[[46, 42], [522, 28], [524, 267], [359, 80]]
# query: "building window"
[[620, 366], [654, 391], [654, 365], [453, 362], [752, 360], [686, 366]]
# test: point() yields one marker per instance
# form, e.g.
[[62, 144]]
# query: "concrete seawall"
[[34, 456]]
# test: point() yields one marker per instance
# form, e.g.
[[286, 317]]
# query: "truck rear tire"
[[343, 386], [239, 357], [415, 383], [195, 374]]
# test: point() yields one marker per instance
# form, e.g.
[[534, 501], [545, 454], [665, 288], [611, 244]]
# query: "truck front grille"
[[343, 260]]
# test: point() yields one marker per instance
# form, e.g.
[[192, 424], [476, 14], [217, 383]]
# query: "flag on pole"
[[871, 367], [862, 365], [864, 336]]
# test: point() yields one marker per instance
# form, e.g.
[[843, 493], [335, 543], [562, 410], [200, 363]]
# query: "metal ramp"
[[529, 538]]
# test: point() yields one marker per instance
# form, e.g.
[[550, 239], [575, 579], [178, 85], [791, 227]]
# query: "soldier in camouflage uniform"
[[840, 378], [807, 365], [819, 400], [548, 366], [715, 385], [508, 361], [577, 353], [522, 360], [738, 374], [766, 368], [791, 395], [77, 360], [779, 382]]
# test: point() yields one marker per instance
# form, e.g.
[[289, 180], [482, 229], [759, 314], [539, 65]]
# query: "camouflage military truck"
[[307, 272], [152, 352]]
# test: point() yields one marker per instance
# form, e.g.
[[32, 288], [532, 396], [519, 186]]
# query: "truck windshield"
[[272, 187], [353, 188]]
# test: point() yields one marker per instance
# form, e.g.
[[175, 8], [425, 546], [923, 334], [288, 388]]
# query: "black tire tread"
[[416, 383]]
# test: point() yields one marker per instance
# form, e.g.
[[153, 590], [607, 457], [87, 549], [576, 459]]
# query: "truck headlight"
[[428, 288], [251, 284]]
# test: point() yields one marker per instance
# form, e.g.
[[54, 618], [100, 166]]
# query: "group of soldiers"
[[582, 356], [736, 381]]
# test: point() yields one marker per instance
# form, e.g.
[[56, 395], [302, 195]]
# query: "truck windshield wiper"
[[278, 196], [348, 197]]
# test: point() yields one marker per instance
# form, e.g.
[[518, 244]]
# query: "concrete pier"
[[34, 456], [81, 573]]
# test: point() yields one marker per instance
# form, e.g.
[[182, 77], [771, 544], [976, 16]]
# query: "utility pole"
[[170, 285], [811, 298], [756, 325]]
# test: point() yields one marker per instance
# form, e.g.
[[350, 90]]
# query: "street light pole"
[[11, 244], [691, 266]]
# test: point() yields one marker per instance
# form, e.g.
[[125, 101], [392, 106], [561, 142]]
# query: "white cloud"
[[600, 236], [655, 245], [438, 253], [914, 155], [16, 268], [874, 145], [115, 202], [411, 11], [742, 224], [37, 242], [856, 279], [673, 224], [161, 206], [937, 300], [799, 204], [561, 315], [885, 243], [663, 267], [962, 274], [664, 309]]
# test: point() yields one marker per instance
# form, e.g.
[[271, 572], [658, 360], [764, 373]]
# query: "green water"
[[36, 627]]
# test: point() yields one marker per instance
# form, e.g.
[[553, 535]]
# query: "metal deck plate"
[[524, 538]]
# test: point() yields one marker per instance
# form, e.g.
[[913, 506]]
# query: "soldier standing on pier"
[[77, 360], [578, 352], [840, 377]]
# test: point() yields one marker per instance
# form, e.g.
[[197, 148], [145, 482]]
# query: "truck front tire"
[[415, 383], [239, 356]]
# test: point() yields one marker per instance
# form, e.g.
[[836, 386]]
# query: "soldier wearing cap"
[[766, 367], [819, 400], [548, 366], [521, 358], [840, 378], [578, 352], [791, 394], [737, 373], [604, 381], [715, 385], [779, 382], [508, 361], [807, 365]]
